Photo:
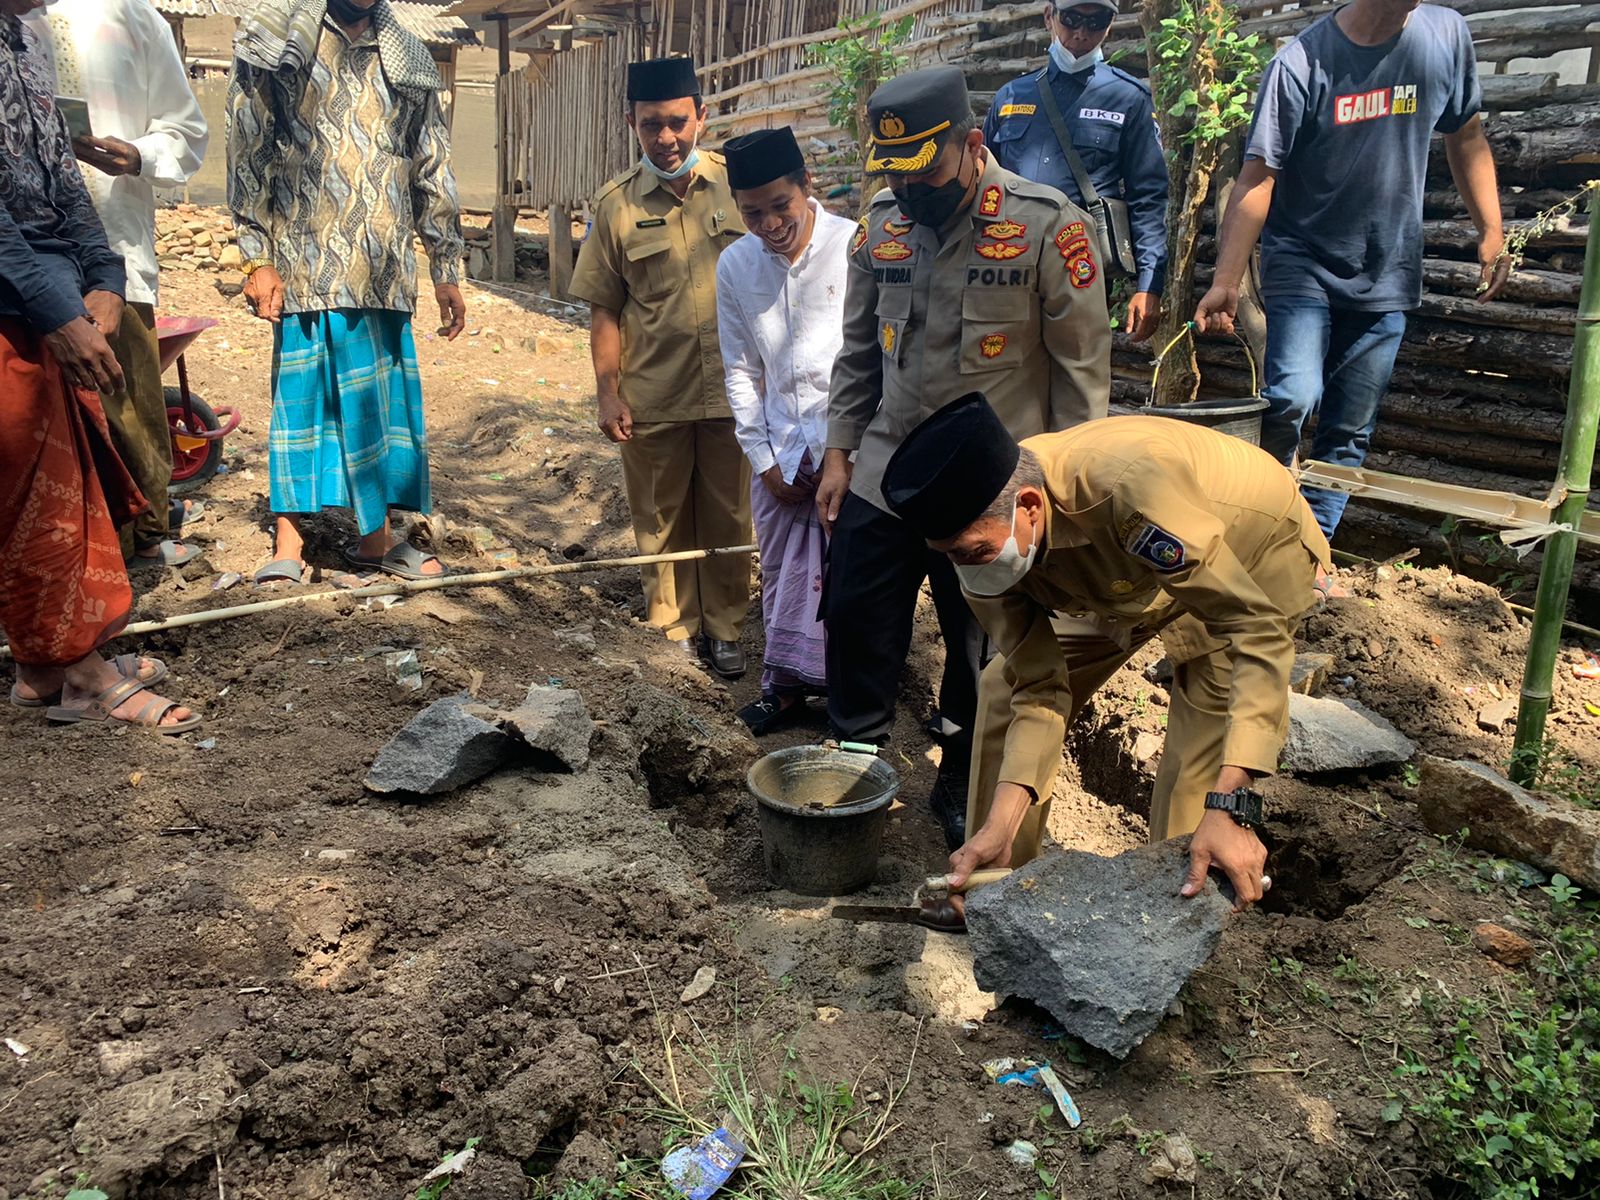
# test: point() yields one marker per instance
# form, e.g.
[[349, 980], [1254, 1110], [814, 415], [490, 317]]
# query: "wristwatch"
[[1244, 805], [253, 265]]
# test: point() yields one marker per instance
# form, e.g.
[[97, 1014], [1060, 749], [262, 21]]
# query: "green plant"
[[1556, 770], [858, 62], [1561, 892]]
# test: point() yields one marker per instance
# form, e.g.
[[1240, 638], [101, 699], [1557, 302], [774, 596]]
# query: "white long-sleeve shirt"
[[120, 56], [781, 324]]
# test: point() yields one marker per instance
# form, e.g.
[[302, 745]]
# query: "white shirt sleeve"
[[175, 141], [741, 362]]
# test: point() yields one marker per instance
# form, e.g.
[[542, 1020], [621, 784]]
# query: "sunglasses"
[[1097, 20]]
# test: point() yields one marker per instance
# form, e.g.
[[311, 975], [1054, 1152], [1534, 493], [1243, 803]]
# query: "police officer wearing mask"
[[1109, 116], [963, 276]]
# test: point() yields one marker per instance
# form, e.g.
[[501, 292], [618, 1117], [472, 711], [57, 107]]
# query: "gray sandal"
[[148, 717], [403, 561], [290, 570], [168, 554]]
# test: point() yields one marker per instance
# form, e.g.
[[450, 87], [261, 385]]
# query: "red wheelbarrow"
[[197, 428]]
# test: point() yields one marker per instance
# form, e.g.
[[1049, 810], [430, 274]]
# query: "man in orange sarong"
[[63, 587]]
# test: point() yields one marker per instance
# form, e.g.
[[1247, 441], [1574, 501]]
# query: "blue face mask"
[[687, 165], [1066, 60]]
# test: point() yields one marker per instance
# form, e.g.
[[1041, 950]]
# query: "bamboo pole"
[[1560, 552], [407, 587]]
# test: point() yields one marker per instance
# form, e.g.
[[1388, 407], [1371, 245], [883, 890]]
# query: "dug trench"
[[228, 969]]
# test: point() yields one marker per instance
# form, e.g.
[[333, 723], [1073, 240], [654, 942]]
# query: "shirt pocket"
[[654, 268], [894, 310], [1098, 143], [995, 328]]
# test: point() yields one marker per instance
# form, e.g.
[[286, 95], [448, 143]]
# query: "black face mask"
[[347, 13], [933, 204]]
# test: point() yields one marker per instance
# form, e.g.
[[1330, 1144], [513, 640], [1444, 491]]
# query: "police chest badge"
[[892, 251], [1004, 231], [1002, 251], [897, 228], [993, 345], [1158, 548], [887, 339]]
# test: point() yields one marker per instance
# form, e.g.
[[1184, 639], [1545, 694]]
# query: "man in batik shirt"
[[338, 156]]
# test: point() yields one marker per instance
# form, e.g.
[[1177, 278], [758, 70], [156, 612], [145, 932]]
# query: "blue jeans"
[[1335, 363]]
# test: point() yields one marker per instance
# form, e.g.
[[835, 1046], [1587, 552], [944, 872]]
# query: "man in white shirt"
[[780, 310], [148, 133]]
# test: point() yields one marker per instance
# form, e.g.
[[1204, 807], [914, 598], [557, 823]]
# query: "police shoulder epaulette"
[[883, 196], [716, 156], [1017, 185], [1133, 79]]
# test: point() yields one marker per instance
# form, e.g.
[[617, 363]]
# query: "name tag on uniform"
[[1018, 110], [1102, 114], [650, 223]]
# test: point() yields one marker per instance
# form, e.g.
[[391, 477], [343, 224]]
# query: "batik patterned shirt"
[[332, 173], [52, 247]]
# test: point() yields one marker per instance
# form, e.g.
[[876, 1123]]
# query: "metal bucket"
[[1238, 418], [822, 813]]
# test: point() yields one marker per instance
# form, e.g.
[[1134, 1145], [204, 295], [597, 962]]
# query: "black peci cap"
[[758, 158], [950, 468], [662, 79], [908, 116]]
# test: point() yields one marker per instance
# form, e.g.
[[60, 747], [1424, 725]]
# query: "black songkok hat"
[[760, 157], [950, 468], [908, 117], [662, 79]]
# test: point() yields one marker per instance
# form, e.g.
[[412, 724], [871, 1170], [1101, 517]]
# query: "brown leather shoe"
[[727, 658]]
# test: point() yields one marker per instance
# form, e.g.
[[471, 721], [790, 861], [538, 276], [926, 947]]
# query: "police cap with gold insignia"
[[909, 118], [760, 157], [662, 79], [950, 468]]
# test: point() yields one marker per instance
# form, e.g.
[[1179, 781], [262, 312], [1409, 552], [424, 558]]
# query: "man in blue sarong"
[[338, 156]]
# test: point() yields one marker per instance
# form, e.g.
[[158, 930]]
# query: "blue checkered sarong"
[[347, 415]]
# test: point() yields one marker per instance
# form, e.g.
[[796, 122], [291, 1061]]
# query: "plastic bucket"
[[1239, 418], [822, 813]]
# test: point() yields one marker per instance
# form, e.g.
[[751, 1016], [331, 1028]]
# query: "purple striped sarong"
[[792, 546]]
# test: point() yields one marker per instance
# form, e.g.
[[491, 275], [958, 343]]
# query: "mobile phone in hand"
[[76, 111]]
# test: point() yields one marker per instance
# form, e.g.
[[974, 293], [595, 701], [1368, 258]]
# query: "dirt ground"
[[234, 972]]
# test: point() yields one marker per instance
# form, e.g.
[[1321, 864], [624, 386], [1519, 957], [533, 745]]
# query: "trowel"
[[913, 913]]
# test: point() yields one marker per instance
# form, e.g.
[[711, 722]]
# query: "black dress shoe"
[[727, 658], [690, 649]]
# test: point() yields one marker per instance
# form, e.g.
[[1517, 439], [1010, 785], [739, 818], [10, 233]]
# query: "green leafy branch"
[[1209, 69], [858, 62]]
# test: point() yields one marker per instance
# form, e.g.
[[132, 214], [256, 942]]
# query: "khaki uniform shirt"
[[1011, 304], [1153, 523], [652, 259]]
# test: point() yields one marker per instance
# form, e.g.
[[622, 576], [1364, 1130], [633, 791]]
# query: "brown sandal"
[[149, 717], [127, 666]]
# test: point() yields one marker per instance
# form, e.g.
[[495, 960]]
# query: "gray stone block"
[[445, 746], [1507, 820], [556, 722], [1104, 944], [1340, 735]]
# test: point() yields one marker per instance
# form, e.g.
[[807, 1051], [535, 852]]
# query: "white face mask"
[[1001, 572], [1066, 60]]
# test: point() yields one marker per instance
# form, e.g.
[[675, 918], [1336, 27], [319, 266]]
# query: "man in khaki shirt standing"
[[1078, 547], [649, 272], [962, 276]]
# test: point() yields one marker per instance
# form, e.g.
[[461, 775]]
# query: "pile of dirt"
[[228, 964]]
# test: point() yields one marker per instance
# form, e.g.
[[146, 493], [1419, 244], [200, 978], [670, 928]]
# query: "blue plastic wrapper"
[[699, 1170]]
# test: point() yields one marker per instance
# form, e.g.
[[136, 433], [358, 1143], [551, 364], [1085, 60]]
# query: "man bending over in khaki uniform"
[[1075, 549]]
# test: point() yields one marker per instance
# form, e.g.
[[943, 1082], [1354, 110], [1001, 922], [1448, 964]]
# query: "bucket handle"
[[1187, 331]]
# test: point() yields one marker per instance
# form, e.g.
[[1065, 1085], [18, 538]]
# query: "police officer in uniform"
[[649, 272], [962, 276], [1079, 547], [1108, 112]]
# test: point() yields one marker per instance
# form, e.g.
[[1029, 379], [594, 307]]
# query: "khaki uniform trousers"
[[1196, 724], [137, 415], [688, 486]]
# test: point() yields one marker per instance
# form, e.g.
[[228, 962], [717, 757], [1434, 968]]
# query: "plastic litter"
[[226, 581], [699, 1170], [405, 669], [1029, 1073], [1587, 668], [1023, 1153]]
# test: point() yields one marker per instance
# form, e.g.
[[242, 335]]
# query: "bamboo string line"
[[407, 587]]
